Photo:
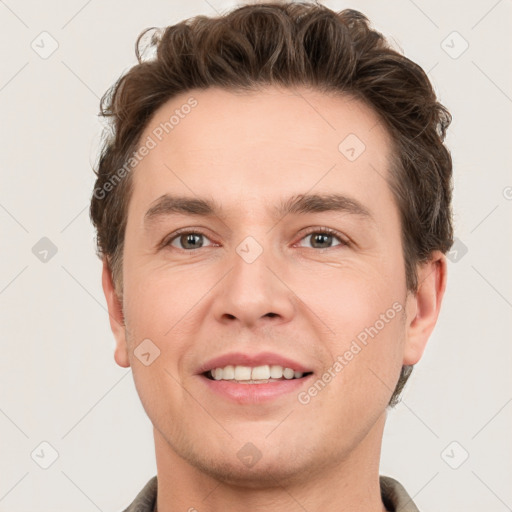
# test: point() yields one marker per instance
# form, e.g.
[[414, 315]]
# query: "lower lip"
[[254, 393]]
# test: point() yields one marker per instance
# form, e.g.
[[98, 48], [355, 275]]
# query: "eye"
[[187, 240], [319, 238], [322, 238]]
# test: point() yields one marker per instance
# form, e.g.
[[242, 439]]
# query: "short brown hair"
[[286, 44]]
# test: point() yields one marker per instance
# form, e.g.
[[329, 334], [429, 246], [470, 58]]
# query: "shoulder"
[[145, 501], [395, 497]]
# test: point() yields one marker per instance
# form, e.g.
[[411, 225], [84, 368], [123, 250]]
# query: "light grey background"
[[58, 379]]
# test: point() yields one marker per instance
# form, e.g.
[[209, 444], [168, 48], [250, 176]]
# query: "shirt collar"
[[394, 497]]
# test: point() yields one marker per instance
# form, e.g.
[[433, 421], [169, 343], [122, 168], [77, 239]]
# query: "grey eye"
[[188, 241], [320, 240]]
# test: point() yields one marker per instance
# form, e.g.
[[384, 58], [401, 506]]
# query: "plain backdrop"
[[447, 440]]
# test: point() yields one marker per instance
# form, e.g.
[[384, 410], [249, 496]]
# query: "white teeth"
[[247, 373], [260, 373], [276, 372], [226, 373], [288, 373], [242, 372]]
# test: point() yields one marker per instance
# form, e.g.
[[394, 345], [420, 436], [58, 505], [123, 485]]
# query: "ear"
[[116, 317], [423, 306]]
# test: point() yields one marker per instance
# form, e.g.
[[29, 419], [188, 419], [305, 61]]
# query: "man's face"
[[258, 281]]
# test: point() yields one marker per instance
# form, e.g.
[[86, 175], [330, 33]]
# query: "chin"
[[263, 463], [264, 474]]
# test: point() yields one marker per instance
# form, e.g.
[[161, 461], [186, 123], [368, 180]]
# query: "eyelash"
[[321, 230], [327, 231]]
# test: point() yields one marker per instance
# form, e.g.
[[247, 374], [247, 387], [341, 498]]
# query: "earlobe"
[[423, 306], [116, 317]]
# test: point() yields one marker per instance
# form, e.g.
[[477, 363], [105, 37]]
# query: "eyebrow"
[[301, 204]]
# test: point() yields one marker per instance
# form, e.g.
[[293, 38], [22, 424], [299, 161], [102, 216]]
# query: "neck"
[[343, 486]]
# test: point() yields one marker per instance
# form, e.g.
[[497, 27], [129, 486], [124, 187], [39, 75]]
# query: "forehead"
[[255, 144]]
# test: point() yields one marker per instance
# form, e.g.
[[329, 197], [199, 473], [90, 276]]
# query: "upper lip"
[[261, 358]]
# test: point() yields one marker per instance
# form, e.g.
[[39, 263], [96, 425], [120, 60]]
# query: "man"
[[273, 210]]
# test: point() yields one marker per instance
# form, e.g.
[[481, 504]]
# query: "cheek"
[[352, 296], [159, 308], [363, 308], [161, 304], [376, 337]]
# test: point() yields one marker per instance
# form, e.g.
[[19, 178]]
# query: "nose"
[[254, 292]]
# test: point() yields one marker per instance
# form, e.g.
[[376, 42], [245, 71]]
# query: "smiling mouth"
[[264, 374]]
